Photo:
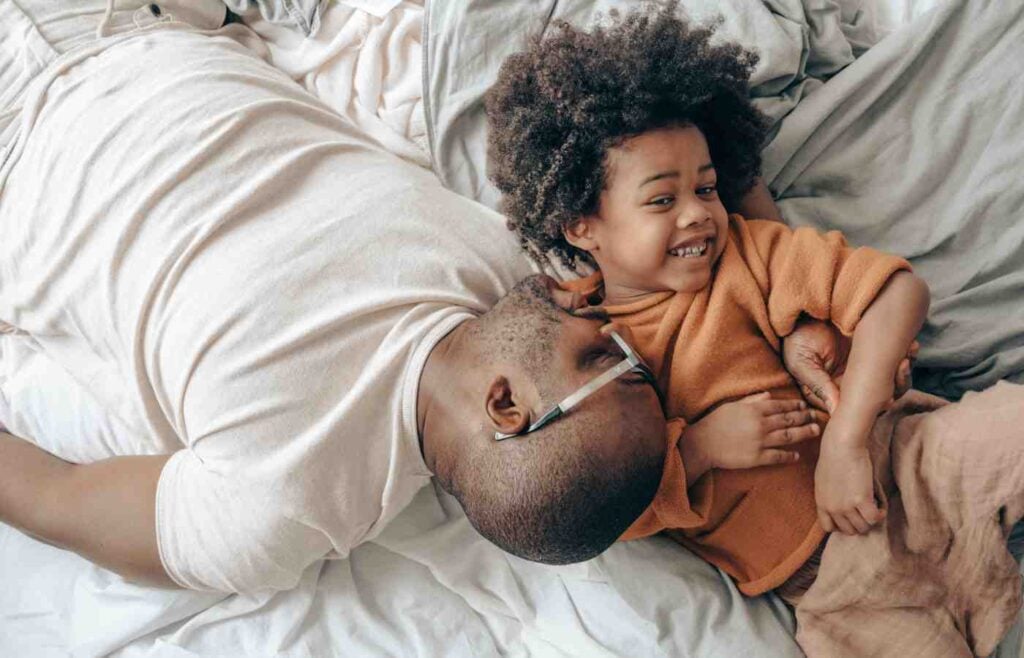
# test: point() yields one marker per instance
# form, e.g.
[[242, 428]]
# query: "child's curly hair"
[[557, 108]]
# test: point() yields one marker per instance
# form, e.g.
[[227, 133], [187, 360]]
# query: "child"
[[621, 149]]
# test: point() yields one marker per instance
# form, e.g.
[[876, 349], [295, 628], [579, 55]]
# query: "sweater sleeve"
[[804, 271], [674, 507]]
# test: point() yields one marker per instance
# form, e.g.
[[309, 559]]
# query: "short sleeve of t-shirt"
[[217, 533], [235, 271]]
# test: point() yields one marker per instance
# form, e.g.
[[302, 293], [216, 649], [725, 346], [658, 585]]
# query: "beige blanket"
[[936, 579]]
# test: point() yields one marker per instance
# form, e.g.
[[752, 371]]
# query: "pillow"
[[801, 43], [303, 15]]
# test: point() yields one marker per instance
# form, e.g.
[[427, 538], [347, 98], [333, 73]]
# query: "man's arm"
[[758, 203], [104, 511]]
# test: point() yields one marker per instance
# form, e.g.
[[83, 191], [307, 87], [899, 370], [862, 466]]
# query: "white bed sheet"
[[428, 586], [367, 66]]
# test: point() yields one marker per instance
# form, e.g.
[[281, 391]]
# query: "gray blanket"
[[912, 148], [916, 148], [801, 43]]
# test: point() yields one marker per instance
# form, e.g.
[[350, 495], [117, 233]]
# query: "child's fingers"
[[858, 522], [757, 397], [822, 393], [769, 406], [843, 524], [772, 457], [826, 522], [871, 512], [790, 435], [786, 419], [619, 328], [904, 379]]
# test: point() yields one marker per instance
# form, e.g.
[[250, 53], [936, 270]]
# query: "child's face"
[[660, 224]]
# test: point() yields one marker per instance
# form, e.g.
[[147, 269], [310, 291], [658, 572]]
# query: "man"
[[286, 327]]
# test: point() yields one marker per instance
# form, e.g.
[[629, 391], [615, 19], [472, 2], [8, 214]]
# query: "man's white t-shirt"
[[229, 270]]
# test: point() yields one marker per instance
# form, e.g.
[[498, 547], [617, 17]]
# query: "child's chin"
[[693, 283]]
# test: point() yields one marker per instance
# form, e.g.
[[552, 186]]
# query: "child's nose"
[[692, 214]]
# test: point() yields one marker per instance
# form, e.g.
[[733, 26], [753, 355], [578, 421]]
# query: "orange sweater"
[[724, 343]]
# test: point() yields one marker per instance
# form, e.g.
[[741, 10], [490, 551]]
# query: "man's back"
[[226, 266]]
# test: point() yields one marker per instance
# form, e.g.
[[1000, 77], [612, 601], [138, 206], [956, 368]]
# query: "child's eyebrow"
[[707, 166]]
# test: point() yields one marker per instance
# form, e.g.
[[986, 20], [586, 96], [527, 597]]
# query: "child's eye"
[[707, 190]]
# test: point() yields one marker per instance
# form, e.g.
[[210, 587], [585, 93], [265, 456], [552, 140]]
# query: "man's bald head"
[[566, 492]]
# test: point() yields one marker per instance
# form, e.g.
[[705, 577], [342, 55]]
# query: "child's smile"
[[660, 225], [691, 248]]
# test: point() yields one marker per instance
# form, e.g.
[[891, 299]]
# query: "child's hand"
[[843, 487], [755, 430]]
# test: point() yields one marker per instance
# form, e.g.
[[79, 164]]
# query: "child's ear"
[[580, 234]]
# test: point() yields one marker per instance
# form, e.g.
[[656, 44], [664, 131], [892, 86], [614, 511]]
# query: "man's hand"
[[815, 355]]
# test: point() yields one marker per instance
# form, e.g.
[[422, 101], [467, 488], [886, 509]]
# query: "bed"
[[841, 82]]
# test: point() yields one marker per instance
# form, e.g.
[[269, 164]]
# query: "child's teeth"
[[690, 252]]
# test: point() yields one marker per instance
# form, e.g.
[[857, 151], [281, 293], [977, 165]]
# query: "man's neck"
[[440, 380]]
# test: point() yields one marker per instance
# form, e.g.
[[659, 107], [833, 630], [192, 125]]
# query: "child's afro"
[[558, 107]]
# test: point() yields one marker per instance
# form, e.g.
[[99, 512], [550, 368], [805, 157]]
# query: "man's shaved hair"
[[557, 495]]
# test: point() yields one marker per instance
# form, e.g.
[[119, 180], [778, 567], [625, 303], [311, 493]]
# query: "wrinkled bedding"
[[916, 148], [909, 142], [801, 44], [429, 585], [935, 578], [912, 148]]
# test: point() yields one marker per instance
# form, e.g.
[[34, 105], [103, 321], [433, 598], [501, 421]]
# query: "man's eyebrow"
[[707, 166]]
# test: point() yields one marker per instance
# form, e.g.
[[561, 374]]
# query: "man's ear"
[[580, 234], [506, 408]]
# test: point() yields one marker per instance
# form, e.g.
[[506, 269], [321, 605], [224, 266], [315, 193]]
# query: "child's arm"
[[843, 479], [751, 432], [104, 511]]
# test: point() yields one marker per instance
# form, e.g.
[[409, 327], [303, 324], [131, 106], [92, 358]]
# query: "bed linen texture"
[[428, 585], [365, 67], [237, 305], [801, 43], [916, 149], [912, 148], [934, 578]]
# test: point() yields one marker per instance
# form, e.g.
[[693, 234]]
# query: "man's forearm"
[[880, 343], [104, 511], [758, 203]]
